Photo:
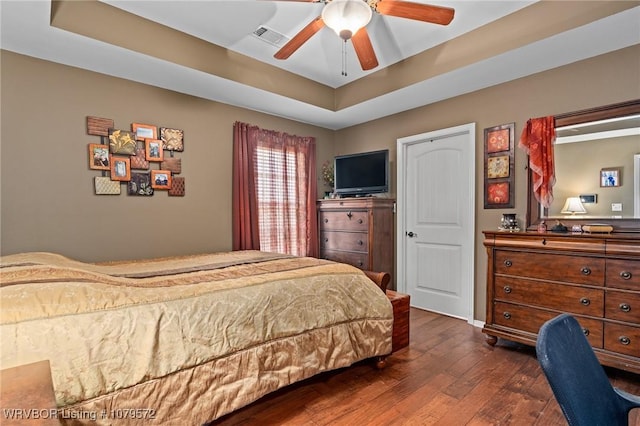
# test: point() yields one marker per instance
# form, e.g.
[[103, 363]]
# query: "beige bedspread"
[[184, 340]]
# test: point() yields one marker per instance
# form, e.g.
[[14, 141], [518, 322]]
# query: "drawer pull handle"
[[585, 270], [360, 221], [326, 240], [326, 220], [585, 331], [585, 301], [360, 263], [626, 275], [544, 241], [625, 307], [508, 263], [360, 242], [507, 315], [624, 340], [349, 214], [507, 289]]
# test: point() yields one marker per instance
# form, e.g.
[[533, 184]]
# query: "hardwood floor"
[[447, 376]]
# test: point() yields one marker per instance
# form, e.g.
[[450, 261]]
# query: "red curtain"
[[537, 140], [274, 191], [245, 200]]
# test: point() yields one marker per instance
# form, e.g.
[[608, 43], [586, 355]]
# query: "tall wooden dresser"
[[358, 231], [532, 277]]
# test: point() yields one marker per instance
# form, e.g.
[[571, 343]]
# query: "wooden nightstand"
[[26, 396], [400, 304]]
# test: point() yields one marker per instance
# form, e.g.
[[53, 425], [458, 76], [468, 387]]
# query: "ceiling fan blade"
[[416, 11], [364, 49], [300, 38]]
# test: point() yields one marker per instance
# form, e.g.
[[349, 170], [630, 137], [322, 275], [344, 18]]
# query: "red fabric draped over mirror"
[[274, 191], [537, 140]]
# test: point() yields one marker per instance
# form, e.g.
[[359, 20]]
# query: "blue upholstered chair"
[[577, 379]]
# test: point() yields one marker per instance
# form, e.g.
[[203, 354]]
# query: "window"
[[274, 192], [280, 210]]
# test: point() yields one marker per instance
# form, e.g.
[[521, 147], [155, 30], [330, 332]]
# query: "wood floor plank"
[[413, 405], [448, 375], [513, 401]]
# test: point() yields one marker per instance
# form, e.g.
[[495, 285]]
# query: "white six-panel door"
[[436, 210]]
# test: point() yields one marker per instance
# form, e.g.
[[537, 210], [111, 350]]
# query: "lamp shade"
[[573, 205], [346, 17]]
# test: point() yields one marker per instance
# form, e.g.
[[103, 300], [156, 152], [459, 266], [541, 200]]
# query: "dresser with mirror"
[[534, 276]]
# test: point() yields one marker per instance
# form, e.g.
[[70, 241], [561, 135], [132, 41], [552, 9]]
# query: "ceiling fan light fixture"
[[346, 17]]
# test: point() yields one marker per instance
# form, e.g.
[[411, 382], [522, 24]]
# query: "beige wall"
[[47, 200], [603, 80]]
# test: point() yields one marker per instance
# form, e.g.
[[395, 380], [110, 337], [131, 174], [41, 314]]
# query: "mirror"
[[597, 159]]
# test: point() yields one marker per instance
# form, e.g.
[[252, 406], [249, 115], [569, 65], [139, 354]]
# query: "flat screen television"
[[362, 174]]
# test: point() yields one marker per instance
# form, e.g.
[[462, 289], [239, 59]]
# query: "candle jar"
[[509, 221], [542, 227]]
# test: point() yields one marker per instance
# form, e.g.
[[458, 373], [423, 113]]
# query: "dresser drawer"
[[356, 220], [566, 298], [531, 319], [623, 247], [340, 240], [622, 339], [550, 241], [623, 274], [622, 306], [550, 266], [359, 260]]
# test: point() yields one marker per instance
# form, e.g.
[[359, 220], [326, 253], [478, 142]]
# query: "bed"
[[184, 340]]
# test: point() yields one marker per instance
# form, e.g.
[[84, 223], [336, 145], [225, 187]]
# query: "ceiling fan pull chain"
[[344, 58]]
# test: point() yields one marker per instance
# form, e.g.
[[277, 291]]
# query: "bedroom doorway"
[[436, 220]]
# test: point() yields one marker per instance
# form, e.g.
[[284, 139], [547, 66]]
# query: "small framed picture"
[[99, 156], [120, 168], [153, 150], [144, 131], [160, 179], [498, 167], [611, 177], [498, 139], [499, 194], [122, 142]]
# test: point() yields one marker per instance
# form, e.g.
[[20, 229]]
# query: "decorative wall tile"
[[105, 186], [177, 187]]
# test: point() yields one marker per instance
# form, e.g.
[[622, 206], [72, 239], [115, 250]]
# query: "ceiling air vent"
[[270, 36]]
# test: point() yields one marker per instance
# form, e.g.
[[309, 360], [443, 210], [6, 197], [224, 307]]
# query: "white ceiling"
[[230, 24]]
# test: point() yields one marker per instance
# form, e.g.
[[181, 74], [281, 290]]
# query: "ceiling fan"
[[348, 18]]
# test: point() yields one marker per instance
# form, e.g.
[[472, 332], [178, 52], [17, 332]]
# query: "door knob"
[[411, 234]]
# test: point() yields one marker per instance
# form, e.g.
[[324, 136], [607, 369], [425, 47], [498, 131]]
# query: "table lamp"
[[573, 206]]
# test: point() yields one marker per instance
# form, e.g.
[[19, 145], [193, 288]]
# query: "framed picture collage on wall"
[[499, 179], [135, 157]]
